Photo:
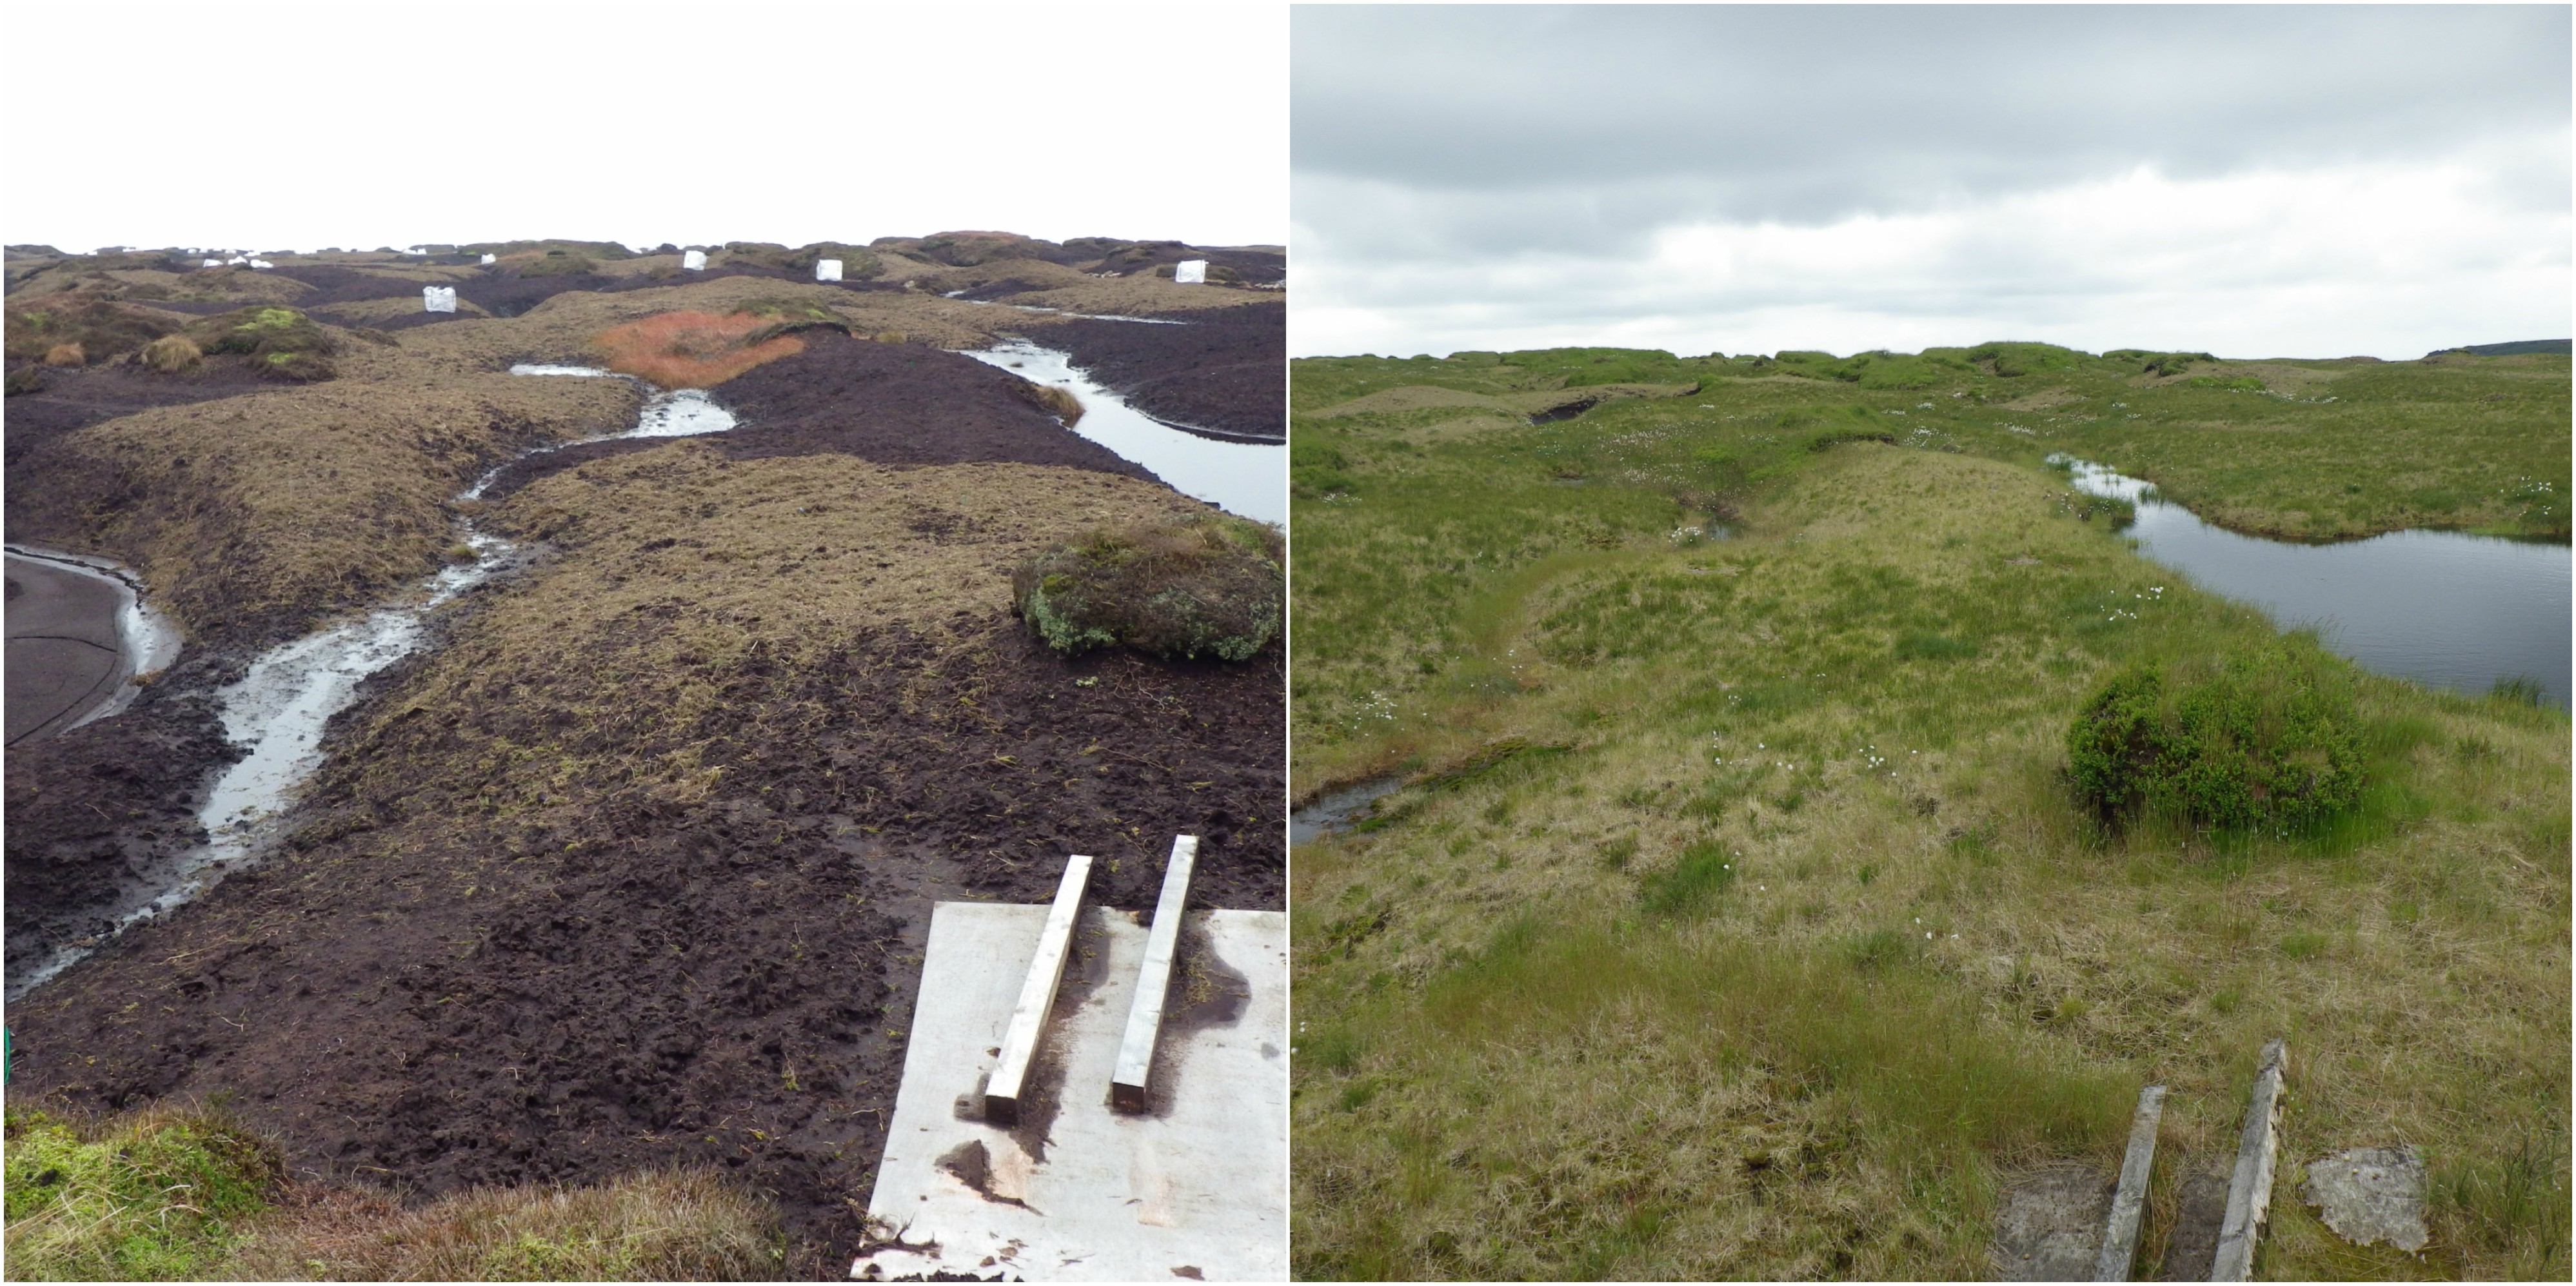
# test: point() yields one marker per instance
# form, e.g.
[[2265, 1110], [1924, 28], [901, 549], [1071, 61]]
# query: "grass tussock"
[[157, 1195], [692, 349], [1206, 587], [172, 354], [660, 1226]]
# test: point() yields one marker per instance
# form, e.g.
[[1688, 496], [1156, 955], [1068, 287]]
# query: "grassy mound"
[[97, 327], [278, 342], [157, 1195], [1206, 587], [2264, 738], [694, 349]]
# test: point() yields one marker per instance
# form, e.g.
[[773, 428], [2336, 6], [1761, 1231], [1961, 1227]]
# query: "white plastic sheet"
[[491, 258], [827, 270], [1190, 272], [693, 260], [261, 263], [214, 263], [438, 299]]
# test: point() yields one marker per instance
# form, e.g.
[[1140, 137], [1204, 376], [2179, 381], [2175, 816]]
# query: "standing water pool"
[[1246, 478], [2440, 607]]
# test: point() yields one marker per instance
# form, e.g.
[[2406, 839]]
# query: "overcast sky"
[[2309, 181], [287, 126]]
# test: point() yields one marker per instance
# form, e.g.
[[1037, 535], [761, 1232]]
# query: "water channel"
[[1246, 478]]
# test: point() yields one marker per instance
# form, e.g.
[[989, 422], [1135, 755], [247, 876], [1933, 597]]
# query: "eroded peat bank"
[[649, 641]]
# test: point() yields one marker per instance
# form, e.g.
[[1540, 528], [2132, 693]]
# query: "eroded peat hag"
[[1773, 843], [622, 861]]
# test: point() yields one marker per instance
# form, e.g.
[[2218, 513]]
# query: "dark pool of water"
[[1339, 810], [2439, 607]]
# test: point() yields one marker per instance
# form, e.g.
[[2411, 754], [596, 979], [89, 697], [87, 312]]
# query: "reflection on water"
[[1247, 478], [2439, 607], [1335, 811]]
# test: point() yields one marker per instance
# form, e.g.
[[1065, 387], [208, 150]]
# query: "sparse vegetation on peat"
[[1740, 916]]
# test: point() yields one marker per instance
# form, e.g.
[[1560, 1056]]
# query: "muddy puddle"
[[2442, 608], [278, 709], [1246, 478], [1339, 810], [90, 645]]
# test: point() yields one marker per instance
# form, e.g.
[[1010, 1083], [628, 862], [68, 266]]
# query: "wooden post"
[[2249, 1194], [2120, 1231], [1002, 1094], [1145, 1018]]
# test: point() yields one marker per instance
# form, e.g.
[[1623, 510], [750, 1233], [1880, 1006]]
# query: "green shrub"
[[2267, 738], [1207, 586]]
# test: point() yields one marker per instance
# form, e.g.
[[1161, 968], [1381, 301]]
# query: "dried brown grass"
[[172, 354], [656, 1226], [691, 349], [66, 355]]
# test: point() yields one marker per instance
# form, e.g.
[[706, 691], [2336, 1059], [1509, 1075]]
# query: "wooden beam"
[[2249, 1193], [1003, 1093], [2120, 1231], [1145, 1019]]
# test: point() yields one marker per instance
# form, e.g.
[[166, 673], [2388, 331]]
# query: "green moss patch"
[[281, 342], [155, 1196]]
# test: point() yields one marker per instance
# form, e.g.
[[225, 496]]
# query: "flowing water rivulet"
[[277, 710]]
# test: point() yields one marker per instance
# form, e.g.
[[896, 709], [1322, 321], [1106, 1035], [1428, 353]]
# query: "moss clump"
[[1205, 587], [2267, 738], [157, 1195], [281, 342]]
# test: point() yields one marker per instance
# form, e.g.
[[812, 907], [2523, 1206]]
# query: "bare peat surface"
[[642, 981], [94, 812], [897, 404], [1226, 369]]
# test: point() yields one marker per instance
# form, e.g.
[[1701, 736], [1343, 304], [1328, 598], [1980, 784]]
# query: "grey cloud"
[[1599, 123]]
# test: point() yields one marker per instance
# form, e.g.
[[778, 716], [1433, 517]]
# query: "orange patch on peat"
[[691, 349]]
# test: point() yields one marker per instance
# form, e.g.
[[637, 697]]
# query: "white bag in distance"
[[438, 299], [491, 259], [693, 260], [214, 263], [827, 270], [1190, 272], [261, 263]]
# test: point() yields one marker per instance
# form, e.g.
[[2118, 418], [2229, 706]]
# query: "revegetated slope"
[[1736, 919]]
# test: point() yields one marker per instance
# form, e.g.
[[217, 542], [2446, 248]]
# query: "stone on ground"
[[2371, 1194], [2050, 1226]]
